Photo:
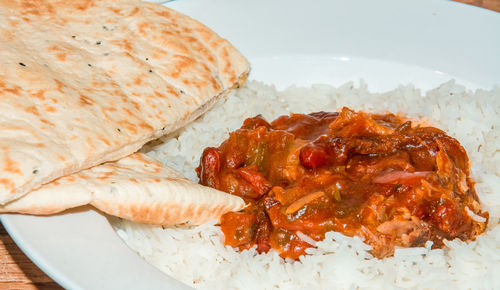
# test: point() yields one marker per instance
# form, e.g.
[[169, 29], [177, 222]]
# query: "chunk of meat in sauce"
[[373, 176]]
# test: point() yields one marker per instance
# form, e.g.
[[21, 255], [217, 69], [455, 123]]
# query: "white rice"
[[198, 257]]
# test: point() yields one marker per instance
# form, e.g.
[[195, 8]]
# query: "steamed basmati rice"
[[197, 256]]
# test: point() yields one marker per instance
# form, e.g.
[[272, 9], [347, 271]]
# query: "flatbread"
[[137, 188], [88, 81]]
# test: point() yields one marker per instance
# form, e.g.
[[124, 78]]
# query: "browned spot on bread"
[[204, 33], [136, 105], [160, 117], [13, 90], [106, 141], [97, 84], [36, 7], [113, 166], [60, 85], [188, 210], [106, 175], [156, 166], [171, 91], [7, 35], [138, 81], [141, 158], [84, 5], [163, 13], [116, 10], [227, 66], [186, 62], [84, 100], [133, 12], [122, 96], [83, 176], [9, 165], [158, 94], [188, 31], [13, 22], [61, 56], [50, 109], [39, 95], [233, 79], [143, 26], [173, 45], [129, 126], [47, 122], [7, 184], [214, 83], [90, 144], [125, 45], [111, 109], [55, 48], [129, 112], [146, 126], [61, 157], [157, 55], [32, 110]]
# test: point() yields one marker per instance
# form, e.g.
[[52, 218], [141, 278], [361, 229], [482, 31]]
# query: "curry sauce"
[[375, 176]]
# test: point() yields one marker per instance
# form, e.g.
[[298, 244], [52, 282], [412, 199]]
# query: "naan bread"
[[136, 188], [83, 82]]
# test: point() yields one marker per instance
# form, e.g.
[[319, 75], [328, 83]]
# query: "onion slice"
[[401, 177]]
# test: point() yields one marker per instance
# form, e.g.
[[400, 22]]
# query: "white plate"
[[387, 43]]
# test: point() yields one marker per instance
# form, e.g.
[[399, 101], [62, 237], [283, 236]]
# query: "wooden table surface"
[[18, 272]]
